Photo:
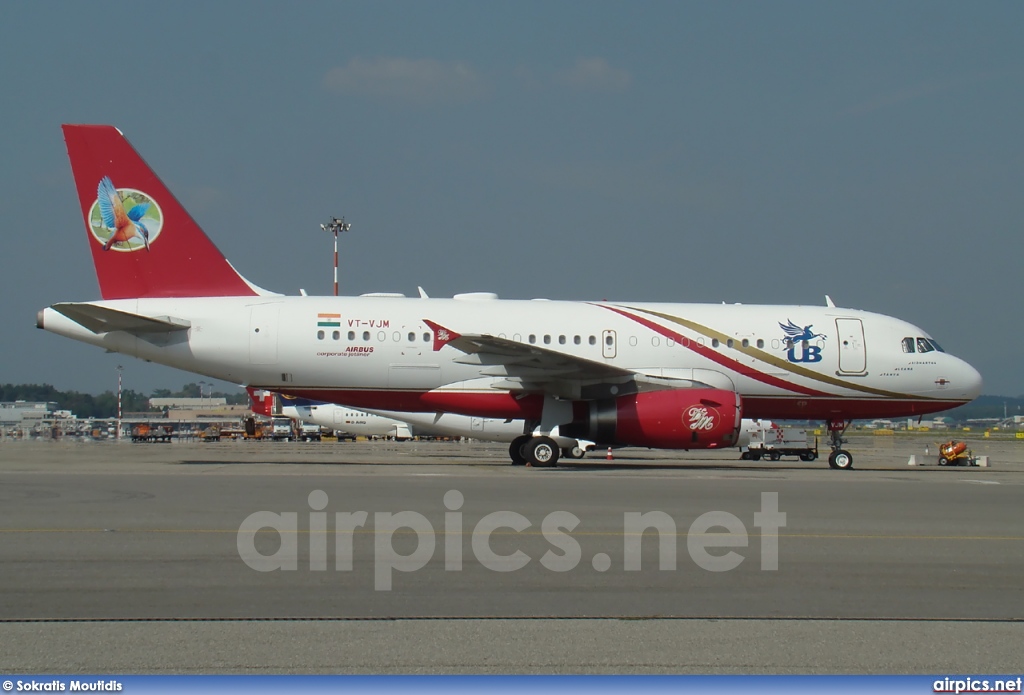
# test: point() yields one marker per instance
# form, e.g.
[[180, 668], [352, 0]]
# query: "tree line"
[[87, 405]]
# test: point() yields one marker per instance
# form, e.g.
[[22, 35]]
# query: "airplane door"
[[852, 352], [608, 344], [263, 333]]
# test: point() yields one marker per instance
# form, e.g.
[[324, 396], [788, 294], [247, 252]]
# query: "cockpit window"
[[908, 345], [935, 345], [923, 345]]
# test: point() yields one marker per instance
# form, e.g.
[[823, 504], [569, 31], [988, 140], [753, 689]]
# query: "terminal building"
[[25, 415], [198, 408]]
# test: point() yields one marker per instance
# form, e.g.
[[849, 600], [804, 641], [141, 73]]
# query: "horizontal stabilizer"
[[100, 319]]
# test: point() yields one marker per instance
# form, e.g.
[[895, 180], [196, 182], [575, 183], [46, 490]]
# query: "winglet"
[[442, 335]]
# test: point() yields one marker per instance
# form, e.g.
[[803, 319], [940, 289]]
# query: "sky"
[[673, 151]]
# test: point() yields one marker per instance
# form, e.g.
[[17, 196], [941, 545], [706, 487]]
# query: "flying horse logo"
[[797, 337]]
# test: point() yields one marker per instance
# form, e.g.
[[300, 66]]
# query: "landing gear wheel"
[[840, 459], [515, 450], [575, 452], [541, 452]]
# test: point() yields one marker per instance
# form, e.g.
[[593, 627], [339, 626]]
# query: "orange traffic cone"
[[608, 456]]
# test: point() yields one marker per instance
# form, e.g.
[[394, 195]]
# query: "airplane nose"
[[971, 380]]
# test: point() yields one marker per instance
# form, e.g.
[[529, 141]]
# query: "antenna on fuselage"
[[829, 303]]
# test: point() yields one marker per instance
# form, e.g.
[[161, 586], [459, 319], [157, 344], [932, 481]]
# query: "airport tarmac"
[[122, 557]]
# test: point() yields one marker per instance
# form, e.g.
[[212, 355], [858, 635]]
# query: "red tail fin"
[[262, 402], [144, 243]]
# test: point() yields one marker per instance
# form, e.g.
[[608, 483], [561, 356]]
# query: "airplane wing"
[[532, 368], [100, 319]]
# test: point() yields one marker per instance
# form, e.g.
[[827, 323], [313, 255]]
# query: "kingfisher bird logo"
[[124, 219], [797, 337]]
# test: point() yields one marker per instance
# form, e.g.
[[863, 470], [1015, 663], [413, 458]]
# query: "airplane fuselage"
[[380, 352]]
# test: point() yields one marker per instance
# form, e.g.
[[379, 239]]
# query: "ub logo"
[[799, 339]]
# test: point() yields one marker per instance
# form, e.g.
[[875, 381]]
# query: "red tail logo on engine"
[[700, 417]]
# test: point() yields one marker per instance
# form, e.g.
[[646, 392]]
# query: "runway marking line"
[[441, 532]]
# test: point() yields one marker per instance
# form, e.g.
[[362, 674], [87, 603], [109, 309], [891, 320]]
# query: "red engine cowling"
[[671, 419]]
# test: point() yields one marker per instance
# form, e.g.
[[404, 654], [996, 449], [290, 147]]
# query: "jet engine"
[[694, 418]]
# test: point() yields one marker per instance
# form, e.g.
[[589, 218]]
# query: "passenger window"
[[351, 335], [714, 342], [593, 340], [730, 342], [547, 340], [532, 339], [609, 341], [923, 345], [908, 345], [319, 335], [336, 335], [746, 343], [561, 340], [760, 342], [426, 337], [576, 339], [412, 337], [366, 335]]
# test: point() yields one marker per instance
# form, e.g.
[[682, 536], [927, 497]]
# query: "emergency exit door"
[[853, 359], [608, 344]]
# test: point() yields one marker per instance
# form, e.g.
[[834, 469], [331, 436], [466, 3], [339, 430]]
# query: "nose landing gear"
[[839, 458]]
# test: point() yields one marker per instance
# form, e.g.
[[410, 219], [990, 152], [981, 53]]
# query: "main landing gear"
[[839, 458], [539, 452]]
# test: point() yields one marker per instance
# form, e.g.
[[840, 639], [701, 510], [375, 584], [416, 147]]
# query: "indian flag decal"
[[328, 320]]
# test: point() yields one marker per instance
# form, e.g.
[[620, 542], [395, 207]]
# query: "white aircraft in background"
[[662, 375], [406, 425]]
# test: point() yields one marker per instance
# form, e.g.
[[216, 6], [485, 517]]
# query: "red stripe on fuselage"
[[797, 408], [717, 357], [507, 406]]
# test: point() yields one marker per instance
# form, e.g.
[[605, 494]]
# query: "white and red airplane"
[[676, 376]]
